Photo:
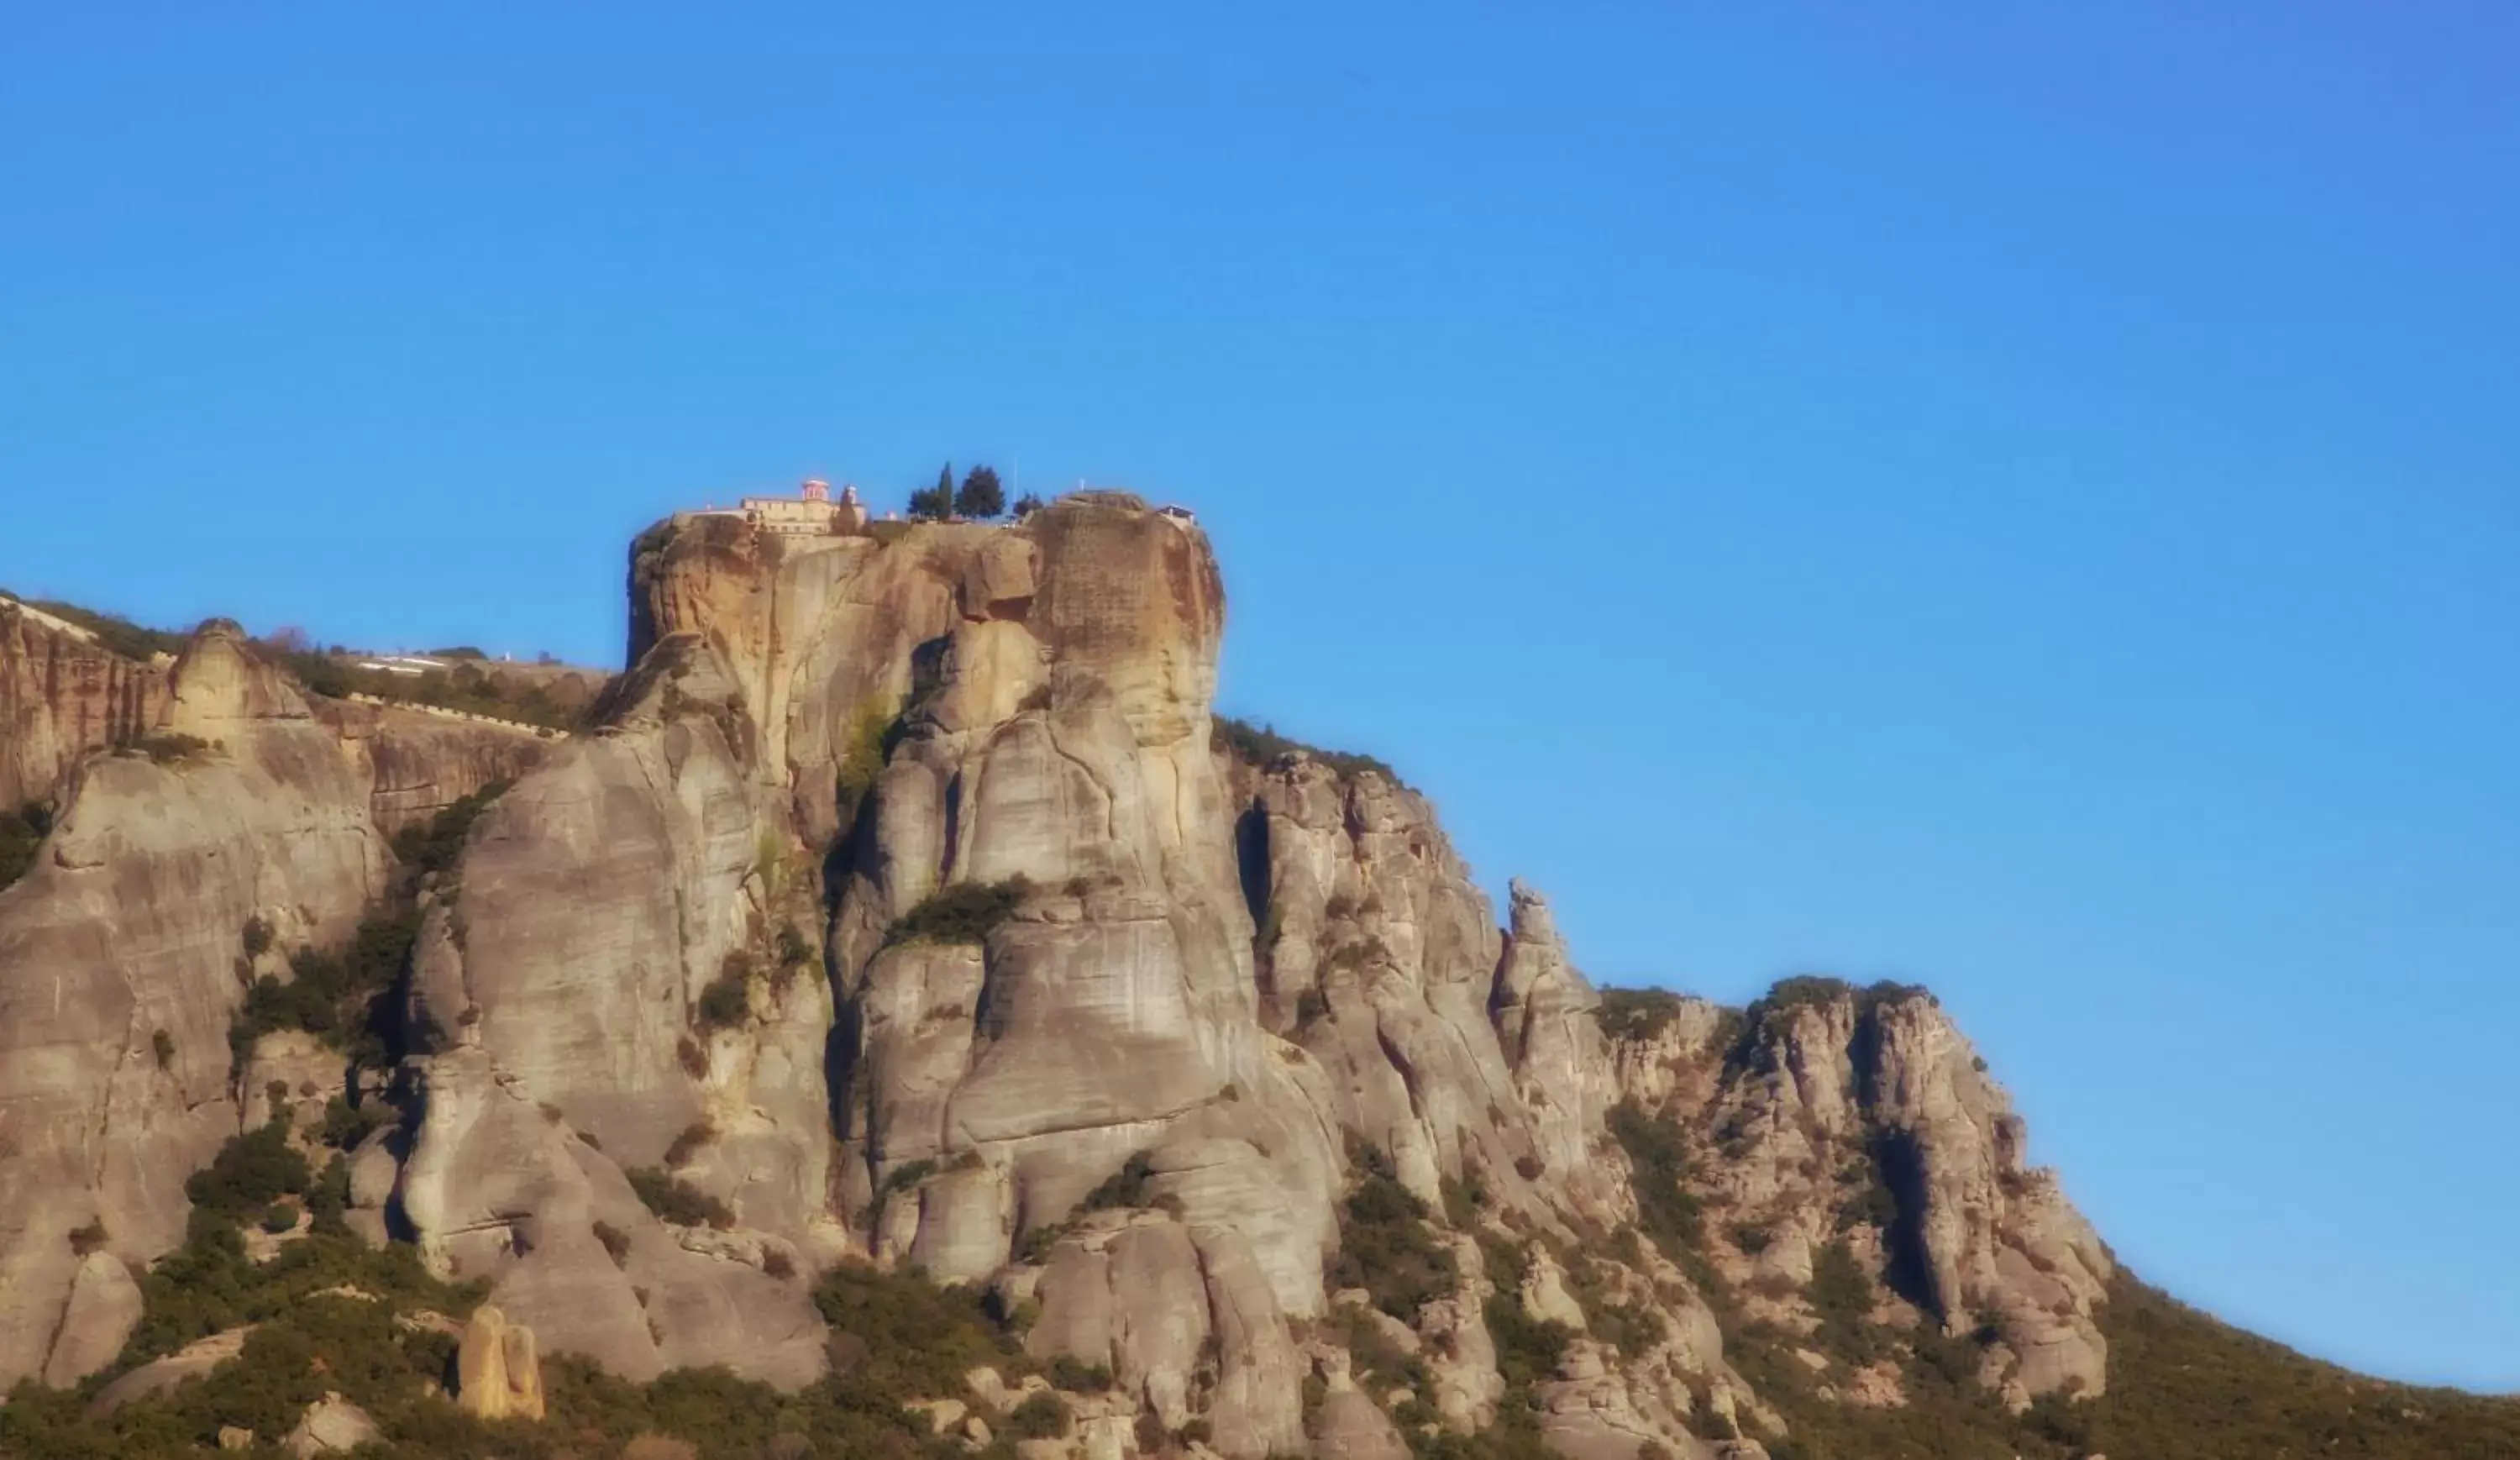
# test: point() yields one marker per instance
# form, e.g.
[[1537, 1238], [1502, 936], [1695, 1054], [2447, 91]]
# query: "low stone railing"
[[361, 697]]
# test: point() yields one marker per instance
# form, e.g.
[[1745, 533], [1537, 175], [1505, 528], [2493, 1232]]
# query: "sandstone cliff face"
[[560, 973], [119, 970], [62, 696], [1866, 1118], [417, 764], [905, 905]]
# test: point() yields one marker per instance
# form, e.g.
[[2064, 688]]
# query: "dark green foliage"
[[1130, 1187], [89, 1239], [1381, 1363], [1262, 744], [1076, 1376], [905, 1176], [617, 1242], [934, 504], [468, 687], [330, 1197], [1528, 1348], [256, 937], [165, 748], [1842, 1295], [249, 1173], [1636, 1013], [335, 995], [982, 497], [1632, 1329], [115, 633], [962, 912], [1463, 1198], [433, 848], [1387, 1249], [914, 1337], [162, 1045], [1026, 505], [347, 1125], [727, 1001], [1672, 1219], [2183, 1385], [21, 832], [1042, 1416], [862, 748], [209, 1284], [676, 1201], [690, 1139]]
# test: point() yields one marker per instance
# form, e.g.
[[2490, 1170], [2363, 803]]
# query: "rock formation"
[[499, 1374], [62, 695], [906, 903], [118, 971]]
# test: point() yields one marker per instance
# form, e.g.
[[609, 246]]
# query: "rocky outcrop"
[[905, 902], [417, 764], [333, 1425], [498, 1370], [119, 970], [64, 696], [1862, 1118]]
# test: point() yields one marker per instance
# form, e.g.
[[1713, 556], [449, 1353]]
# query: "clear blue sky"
[[2025, 498]]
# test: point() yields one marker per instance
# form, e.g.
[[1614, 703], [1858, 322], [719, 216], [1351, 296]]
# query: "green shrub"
[[341, 996], [1131, 1187], [165, 748], [1076, 1376], [963, 912], [1041, 1416], [22, 833], [690, 1139], [89, 1239], [347, 1125], [1387, 1248], [251, 1172], [1672, 1219], [617, 1242], [727, 1001], [1262, 745], [115, 633], [676, 1201], [433, 846], [912, 1336], [1636, 1013]]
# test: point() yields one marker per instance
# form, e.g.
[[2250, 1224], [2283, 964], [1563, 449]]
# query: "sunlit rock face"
[[121, 962], [906, 902]]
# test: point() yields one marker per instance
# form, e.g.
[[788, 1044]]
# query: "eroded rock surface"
[[119, 970], [906, 901]]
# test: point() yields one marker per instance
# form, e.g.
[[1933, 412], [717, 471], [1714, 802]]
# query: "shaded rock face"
[[1866, 1118], [559, 975], [119, 967], [417, 764], [62, 696]]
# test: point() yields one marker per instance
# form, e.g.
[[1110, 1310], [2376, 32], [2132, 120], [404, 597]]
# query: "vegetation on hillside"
[[1262, 744], [470, 685], [1636, 1013], [115, 633], [21, 832], [962, 912]]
